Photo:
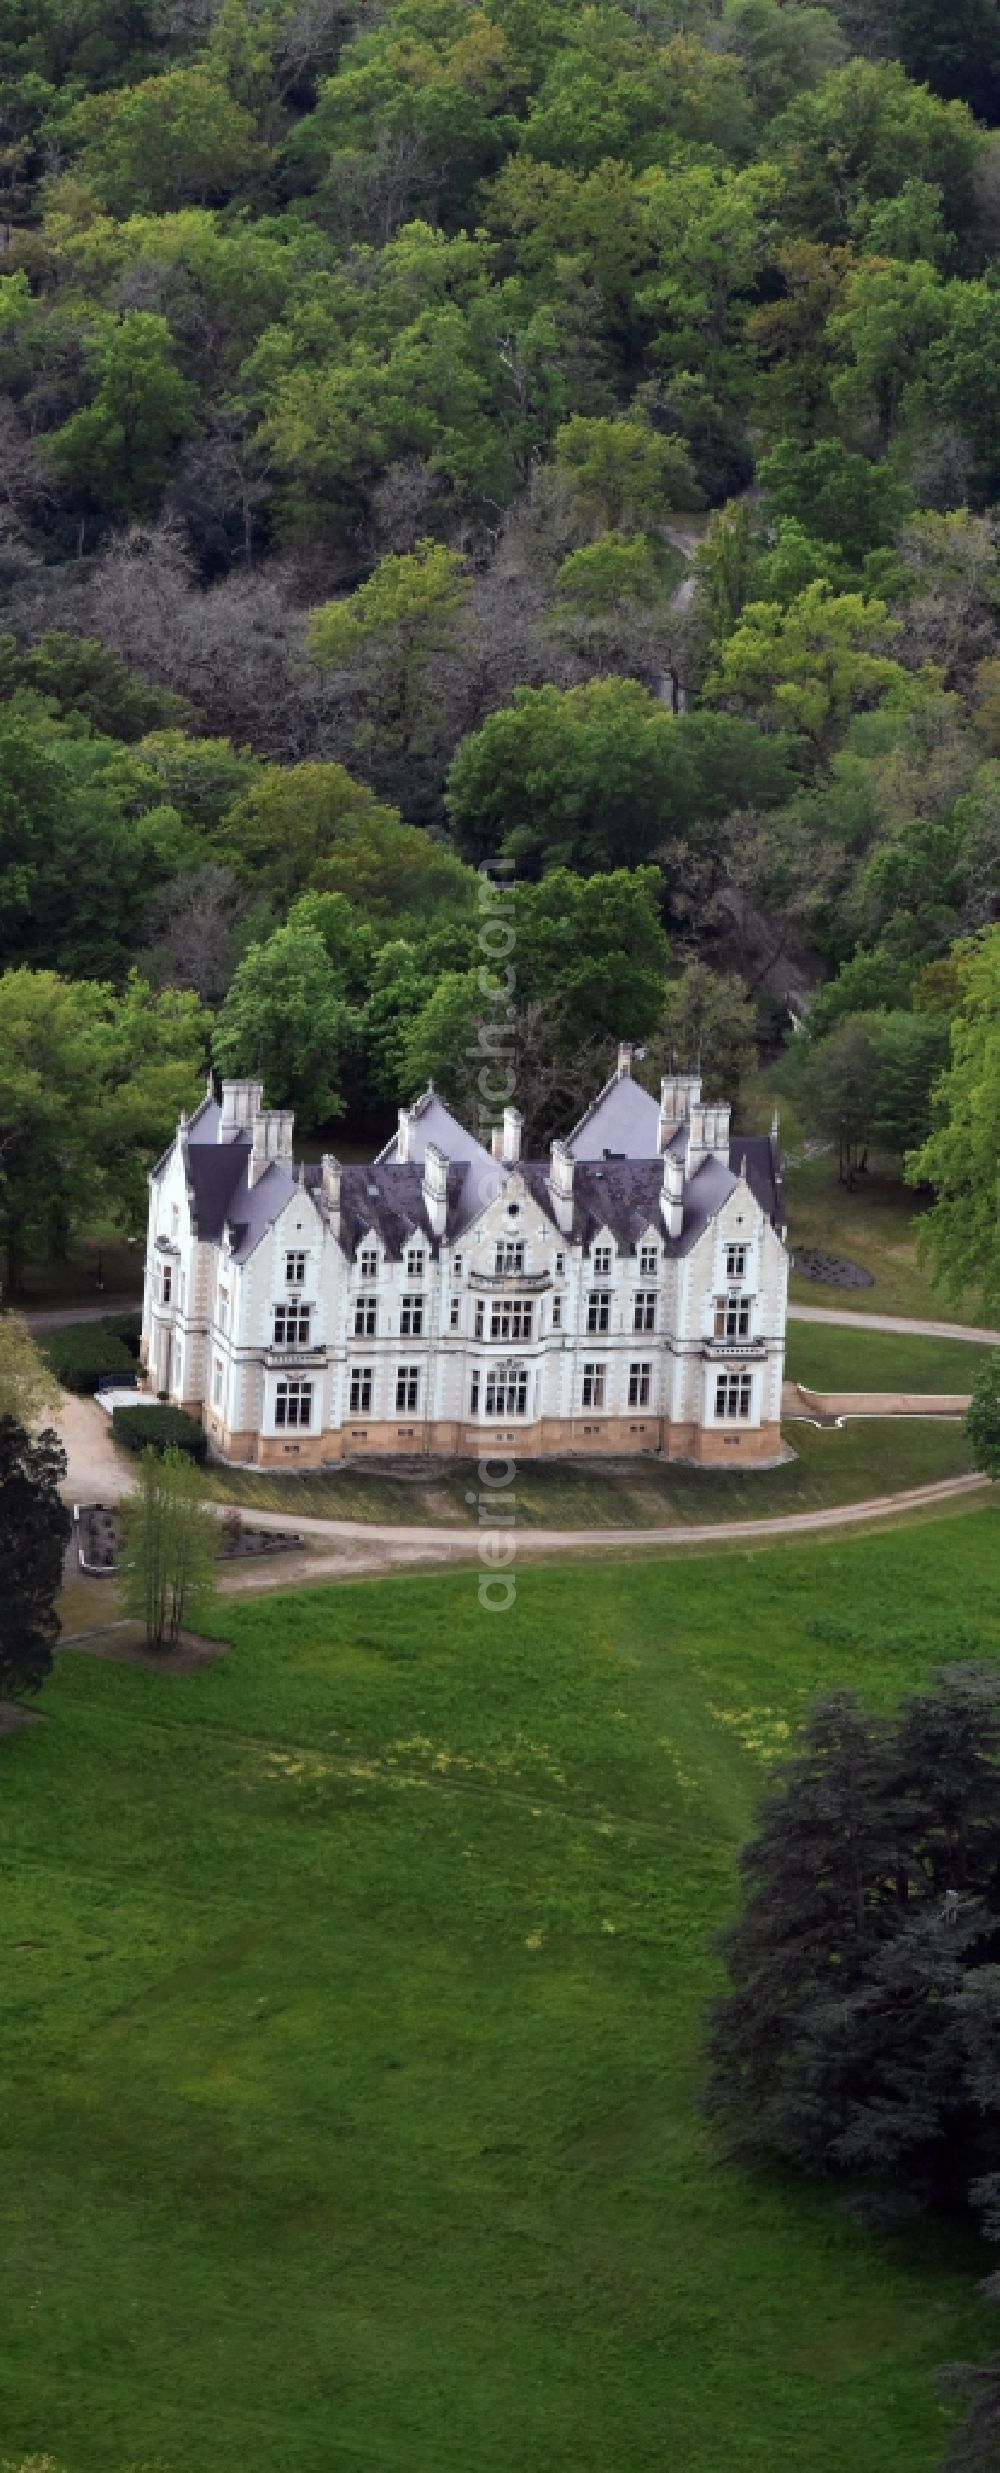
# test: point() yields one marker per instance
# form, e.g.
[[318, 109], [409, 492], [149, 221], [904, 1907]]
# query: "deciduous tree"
[[171, 1547], [961, 1156]]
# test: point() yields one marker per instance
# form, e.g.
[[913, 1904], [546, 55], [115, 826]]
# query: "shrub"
[[83, 1354], [158, 1429]]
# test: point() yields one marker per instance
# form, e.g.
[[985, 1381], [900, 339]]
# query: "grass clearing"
[[355, 1992], [877, 1456], [832, 1359], [875, 1225]]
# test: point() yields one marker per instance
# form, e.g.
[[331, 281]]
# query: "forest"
[[561, 440]]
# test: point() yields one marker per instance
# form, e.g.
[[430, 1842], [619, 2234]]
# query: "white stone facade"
[[627, 1295]]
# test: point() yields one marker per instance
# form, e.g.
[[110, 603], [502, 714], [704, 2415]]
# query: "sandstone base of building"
[[551, 1439]]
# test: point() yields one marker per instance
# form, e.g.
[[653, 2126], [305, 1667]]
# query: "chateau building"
[[626, 1294]]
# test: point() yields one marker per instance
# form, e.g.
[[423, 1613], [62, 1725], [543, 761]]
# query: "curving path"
[[902, 1323], [369, 1547]]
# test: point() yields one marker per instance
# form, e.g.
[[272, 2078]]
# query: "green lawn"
[[354, 1993], [875, 1225], [877, 1456], [843, 1360]]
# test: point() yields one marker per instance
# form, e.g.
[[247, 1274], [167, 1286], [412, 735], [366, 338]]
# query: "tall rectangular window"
[[454, 1312], [480, 1317], [736, 1261], [368, 1262], [733, 1393], [644, 1316], [560, 1265], [649, 1260], [732, 1318], [640, 1382], [407, 1387], [295, 1270], [602, 1261], [510, 1254], [217, 1382], [291, 1326], [507, 1391], [557, 1313], [222, 1316], [365, 1317], [167, 1283], [599, 1310], [361, 1390], [511, 1318], [594, 1385], [411, 1318], [293, 1404], [474, 1394], [457, 1266], [415, 1262]]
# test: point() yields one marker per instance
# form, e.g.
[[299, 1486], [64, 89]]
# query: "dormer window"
[[295, 1270], [415, 1262], [602, 1261], [368, 1262], [649, 1261]]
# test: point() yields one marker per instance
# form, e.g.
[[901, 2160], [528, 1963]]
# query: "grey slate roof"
[[203, 1126], [623, 1118], [431, 1121], [253, 1209], [214, 1170], [621, 1194]]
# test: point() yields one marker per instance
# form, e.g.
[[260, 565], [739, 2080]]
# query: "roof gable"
[[622, 1121]]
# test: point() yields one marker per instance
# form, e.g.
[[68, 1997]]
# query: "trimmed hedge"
[[83, 1354], [158, 1429]]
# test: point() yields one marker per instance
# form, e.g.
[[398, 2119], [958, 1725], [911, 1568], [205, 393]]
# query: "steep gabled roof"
[[623, 1120], [431, 1121], [252, 1209]]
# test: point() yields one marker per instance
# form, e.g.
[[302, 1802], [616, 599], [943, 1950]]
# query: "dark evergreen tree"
[[35, 1527], [860, 2036], [813, 1911]]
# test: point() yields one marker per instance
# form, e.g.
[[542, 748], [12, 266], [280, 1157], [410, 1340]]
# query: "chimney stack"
[[625, 1055], [403, 1150], [672, 1199], [271, 1138], [561, 1186], [708, 1134], [496, 1142], [330, 1170], [241, 1103], [436, 1188], [511, 1143]]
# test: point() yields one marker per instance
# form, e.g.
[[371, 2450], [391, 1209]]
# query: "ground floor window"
[[293, 1403], [407, 1387], [640, 1384], [733, 1395], [361, 1390], [594, 1385], [507, 1391]]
